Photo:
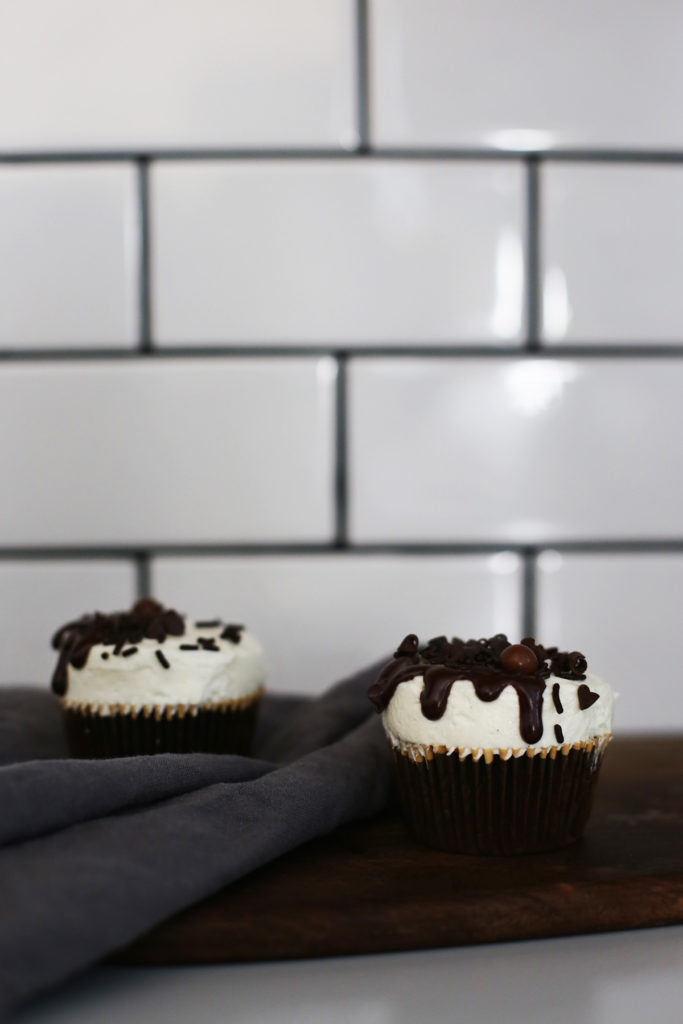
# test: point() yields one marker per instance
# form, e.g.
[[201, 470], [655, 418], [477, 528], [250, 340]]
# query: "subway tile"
[[612, 249], [191, 73], [321, 617], [624, 612], [492, 73], [37, 597], [68, 256], [515, 450], [332, 251], [173, 451]]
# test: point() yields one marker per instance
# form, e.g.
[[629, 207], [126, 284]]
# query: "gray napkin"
[[94, 853]]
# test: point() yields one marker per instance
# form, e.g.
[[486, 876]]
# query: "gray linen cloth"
[[94, 853]]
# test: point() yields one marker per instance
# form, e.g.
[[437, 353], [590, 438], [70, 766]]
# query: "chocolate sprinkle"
[[232, 633], [162, 659], [75, 639], [208, 624], [208, 643], [559, 735], [556, 698], [441, 663], [586, 697], [189, 647], [104, 655], [130, 650]]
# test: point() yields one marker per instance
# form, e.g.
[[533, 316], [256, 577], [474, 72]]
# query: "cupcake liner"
[[119, 731], [485, 802]]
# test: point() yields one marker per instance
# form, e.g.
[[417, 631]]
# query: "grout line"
[[341, 454], [615, 156], [144, 296], [143, 585], [529, 592], [363, 76], [484, 350], [533, 266], [149, 551]]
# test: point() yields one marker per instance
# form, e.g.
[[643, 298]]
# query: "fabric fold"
[[95, 853]]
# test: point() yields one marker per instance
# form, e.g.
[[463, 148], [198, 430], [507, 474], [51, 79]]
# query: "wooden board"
[[370, 888]]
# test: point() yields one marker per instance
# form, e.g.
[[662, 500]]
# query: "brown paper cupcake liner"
[[496, 805], [116, 731]]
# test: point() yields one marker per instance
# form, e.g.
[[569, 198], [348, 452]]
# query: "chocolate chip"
[[519, 658]]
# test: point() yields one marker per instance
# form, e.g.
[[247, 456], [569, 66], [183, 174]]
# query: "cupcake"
[[497, 746], [149, 681]]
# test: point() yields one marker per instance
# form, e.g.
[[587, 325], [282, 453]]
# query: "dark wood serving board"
[[370, 888]]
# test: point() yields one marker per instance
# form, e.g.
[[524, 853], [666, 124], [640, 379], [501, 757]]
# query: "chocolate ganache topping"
[[74, 641], [489, 664]]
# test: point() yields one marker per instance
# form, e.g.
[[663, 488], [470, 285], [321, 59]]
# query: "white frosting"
[[470, 724], [235, 671]]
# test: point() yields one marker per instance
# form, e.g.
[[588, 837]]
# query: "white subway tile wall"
[[346, 318], [37, 596], [523, 450], [428, 251], [175, 74], [508, 75], [602, 283], [69, 256], [629, 605], [320, 617], [184, 451]]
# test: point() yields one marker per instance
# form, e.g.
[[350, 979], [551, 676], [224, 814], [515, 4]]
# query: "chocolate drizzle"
[[74, 641], [489, 664]]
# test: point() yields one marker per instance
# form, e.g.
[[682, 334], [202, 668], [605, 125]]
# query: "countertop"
[[619, 977]]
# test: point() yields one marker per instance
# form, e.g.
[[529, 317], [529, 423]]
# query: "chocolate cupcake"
[[497, 746], [149, 681]]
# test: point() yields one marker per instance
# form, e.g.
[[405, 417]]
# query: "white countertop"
[[620, 978]]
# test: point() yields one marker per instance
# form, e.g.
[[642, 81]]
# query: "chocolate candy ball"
[[518, 658]]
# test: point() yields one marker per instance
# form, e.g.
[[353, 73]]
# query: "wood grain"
[[370, 888]]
